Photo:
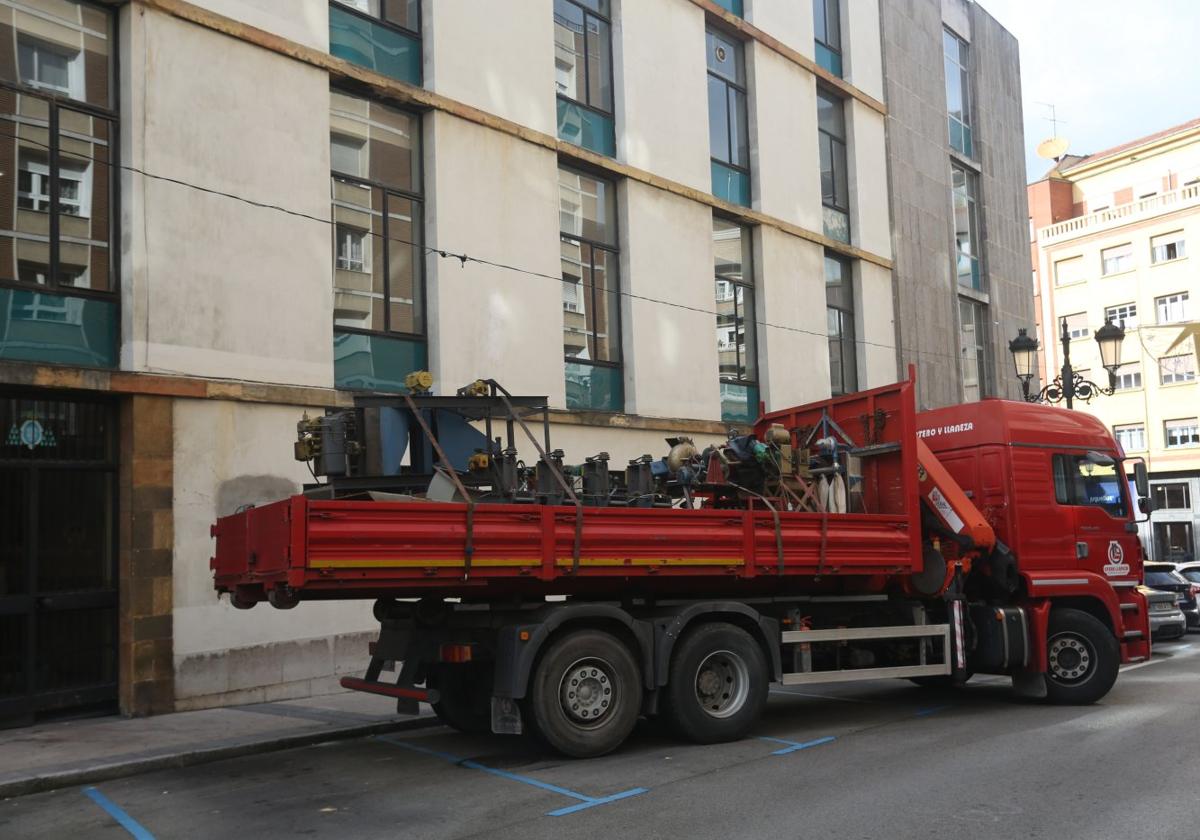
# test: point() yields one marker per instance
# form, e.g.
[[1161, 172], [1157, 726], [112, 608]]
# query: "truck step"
[[425, 695]]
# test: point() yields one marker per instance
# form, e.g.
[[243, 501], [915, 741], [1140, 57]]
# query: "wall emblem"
[[31, 434]]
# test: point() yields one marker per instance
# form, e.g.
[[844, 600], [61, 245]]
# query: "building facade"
[[194, 259], [956, 175], [1111, 234]]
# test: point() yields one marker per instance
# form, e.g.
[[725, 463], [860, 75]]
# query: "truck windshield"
[[1079, 481]]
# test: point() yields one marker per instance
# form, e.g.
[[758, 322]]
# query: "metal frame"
[[587, 75], [837, 6], [742, 89], [387, 24], [24, 707], [418, 200], [616, 316], [845, 143], [919, 631], [752, 322]]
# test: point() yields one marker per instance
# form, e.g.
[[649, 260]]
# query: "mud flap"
[[1031, 685], [506, 716]]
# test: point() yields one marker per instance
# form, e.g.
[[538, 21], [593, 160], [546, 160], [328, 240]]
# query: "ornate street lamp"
[[1068, 385]]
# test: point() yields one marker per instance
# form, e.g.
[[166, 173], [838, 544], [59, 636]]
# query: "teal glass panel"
[[374, 46], [968, 272], [739, 403], [836, 224], [967, 146], [586, 128], [594, 388], [59, 329], [729, 184], [734, 6], [375, 362], [828, 59]]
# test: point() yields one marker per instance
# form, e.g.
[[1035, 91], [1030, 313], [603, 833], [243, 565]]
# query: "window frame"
[[382, 19], [834, 49], [834, 140], [56, 158], [967, 123], [1135, 376], [612, 86], [743, 89], [970, 191], [1128, 320], [1182, 299], [1131, 428], [417, 199], [1192, 423], [1162, 492], [1066, 485], [1075, 333], [845, 314], [1126, 252], [614, 249], [749, 322], [982, 347], [1179, 241], [1176, 377]]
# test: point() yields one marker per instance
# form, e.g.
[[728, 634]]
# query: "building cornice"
[[428, 100]]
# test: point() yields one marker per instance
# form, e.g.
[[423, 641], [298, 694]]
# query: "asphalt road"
[[878, 760]]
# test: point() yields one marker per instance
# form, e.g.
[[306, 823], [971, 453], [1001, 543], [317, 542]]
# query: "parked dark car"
[[1164, 577]]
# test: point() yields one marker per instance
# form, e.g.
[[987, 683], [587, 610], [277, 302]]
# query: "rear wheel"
[[1083, 658], [586, 694], [717, 687], [465, 703]]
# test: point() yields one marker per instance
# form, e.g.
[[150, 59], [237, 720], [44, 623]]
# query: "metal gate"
[[58, 551]]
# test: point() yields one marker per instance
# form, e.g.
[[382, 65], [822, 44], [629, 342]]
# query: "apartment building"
[[1111, 234], [224, 213], [956, 175]]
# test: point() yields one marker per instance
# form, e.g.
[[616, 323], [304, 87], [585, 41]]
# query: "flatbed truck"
[[846, 540]]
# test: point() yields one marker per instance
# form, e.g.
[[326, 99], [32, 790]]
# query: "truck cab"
[[1052, 484]]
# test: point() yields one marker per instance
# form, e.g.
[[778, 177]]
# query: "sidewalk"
[[72, 752]]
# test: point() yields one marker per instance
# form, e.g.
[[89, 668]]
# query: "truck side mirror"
[[1141, 481], [1146, 505]]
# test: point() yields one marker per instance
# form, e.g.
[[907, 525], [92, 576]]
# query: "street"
[[882, 759]]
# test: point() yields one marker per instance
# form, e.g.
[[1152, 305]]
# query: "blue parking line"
[[932, 710], [793, 746], [584, 800], [115, 811]]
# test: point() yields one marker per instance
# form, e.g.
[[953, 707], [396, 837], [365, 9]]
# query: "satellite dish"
[[1053, 148]]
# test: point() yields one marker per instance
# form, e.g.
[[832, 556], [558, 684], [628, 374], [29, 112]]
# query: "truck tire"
[[585, 694], [717, 685], [1084, 658], [466, 696]]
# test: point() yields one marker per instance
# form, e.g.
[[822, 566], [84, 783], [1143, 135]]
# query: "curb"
[[191, 758]]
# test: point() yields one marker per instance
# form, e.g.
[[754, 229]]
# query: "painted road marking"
[[793, 746], [584, 800], [932, 710], [115, 811], [1175, 654]]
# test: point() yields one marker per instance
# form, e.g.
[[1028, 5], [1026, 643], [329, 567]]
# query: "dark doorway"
[[58, 570]]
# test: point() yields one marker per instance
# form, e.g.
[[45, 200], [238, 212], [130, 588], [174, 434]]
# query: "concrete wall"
[[303, 21], [228, 455], [200, 271], [922, 212], [1003, 197]]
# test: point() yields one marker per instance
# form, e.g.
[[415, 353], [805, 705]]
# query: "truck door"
[[1094, 488]]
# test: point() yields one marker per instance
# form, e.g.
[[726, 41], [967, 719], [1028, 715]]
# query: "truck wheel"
[[585, 694], [466, 696], [1084, 658], [717, 685]]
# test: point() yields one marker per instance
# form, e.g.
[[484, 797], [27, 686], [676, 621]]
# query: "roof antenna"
[[1054, 147]]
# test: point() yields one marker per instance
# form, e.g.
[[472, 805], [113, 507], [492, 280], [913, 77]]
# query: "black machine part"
[[1001, 639]]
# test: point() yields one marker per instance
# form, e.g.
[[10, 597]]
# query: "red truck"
[[850, 539]]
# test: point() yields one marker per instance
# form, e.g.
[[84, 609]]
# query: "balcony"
[[1125, 214]]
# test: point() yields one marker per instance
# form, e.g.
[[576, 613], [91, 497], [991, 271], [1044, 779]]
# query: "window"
[[33, 184], [958, 91], [839, 313], [827, 24], [835, 186], [1128, 376], [380, 35], [737, 351], [973, 349], [728, 130], [590, 292], [1124, 315], [1173, 370], [1180, 433], [1132, 437], [964, 194], [378, 233], [583, 74], [1166, 247], [1117, 259], [1173, 543], [1172, 308], [1069, 271], [1174, 496], [1076, 324], [1079, 481]]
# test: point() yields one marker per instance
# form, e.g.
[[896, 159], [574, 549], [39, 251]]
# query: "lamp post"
[[1068, 385]]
